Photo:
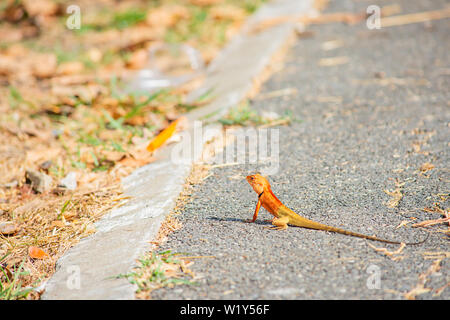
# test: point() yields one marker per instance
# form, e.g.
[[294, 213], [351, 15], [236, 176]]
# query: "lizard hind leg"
[[280, 223]]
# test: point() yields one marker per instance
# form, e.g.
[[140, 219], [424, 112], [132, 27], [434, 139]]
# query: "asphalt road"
[[367, 126]]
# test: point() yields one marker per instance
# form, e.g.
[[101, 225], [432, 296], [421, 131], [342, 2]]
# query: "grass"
[[127, 18], [11, 287], [244, 115], [157, 270]]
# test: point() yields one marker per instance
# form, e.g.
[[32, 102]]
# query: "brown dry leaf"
[[137, 120], [166, 16], [85, 92], [9, 65], [138, 59], [37, 253], [40, 7], [113, 156], [44, 65], [134, 36], [70, 67], [10, 34], [39, 155]]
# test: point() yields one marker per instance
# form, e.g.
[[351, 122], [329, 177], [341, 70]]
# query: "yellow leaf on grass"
[[159, 140], [37, 253]]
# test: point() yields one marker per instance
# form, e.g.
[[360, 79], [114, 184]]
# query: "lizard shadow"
[[261, 222]]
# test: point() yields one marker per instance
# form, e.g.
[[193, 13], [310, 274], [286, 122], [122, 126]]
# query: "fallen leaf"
[[113, 156], [138, 59], [70, 67], [166, 16], [37, 253], [40, 7], [45, 65], [159, 140]]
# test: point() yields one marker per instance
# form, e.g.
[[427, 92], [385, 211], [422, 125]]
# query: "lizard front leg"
[[255, 215]]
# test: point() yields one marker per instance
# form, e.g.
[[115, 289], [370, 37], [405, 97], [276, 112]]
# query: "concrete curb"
[[88, 270]]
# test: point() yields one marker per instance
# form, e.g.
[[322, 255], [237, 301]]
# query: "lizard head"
[[258, 183]]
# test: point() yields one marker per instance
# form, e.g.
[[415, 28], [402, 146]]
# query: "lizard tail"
[[306, 223], [320, 226]]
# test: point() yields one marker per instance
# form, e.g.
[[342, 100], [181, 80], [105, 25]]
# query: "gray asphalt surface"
[[362, 123]]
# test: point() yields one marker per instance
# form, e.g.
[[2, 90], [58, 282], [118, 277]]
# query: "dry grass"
[[53, 224]]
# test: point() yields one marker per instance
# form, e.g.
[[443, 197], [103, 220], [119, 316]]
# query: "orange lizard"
[[284, 216]]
